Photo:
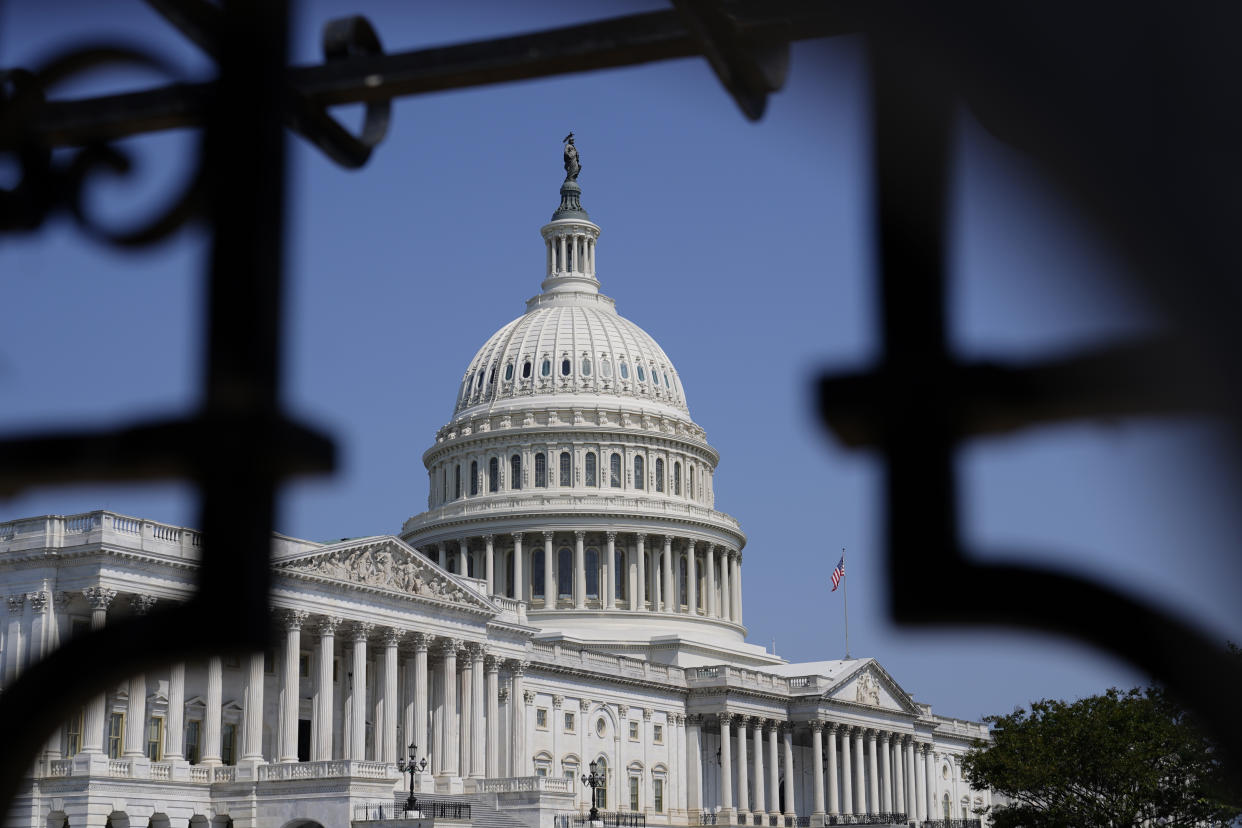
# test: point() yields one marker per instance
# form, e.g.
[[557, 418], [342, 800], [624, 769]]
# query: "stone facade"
[[569, 596]]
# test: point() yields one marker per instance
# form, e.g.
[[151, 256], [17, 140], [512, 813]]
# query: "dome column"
[[710, 563], [692, 580], [670, 588], [579, 570], [640, 593], [550, 585], [725, 604], [610, 573], [519, 581], [489, 563]]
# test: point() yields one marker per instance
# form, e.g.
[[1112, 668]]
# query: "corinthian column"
[[326, 627], [173, 739], [694, 765], [211, 714], [834, 802], [419, 734], [787, 744], [609, 593], [692, 580], [358, 709], [817, 766], [550, 585], [252, 735], [478, 708], [579, 570], [519, 701], [743, 791], [774, 771], [492, 664], [757, 738], [466, 726], [292, 621], [640, 594], [136, 719], [920, 783], [886, 778], [847, 773], [448, 680], [710, 564], [671, 599], [489, 563], [391, 703], [726, 770], [519, 571], [873, 771], [860, 783]]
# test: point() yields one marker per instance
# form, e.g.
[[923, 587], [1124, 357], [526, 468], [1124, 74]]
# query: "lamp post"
[[412, 767], [593, 781]]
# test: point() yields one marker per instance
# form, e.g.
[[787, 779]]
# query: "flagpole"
[[845, 595]]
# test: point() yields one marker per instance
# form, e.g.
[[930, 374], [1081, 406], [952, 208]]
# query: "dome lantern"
[[569, 239]]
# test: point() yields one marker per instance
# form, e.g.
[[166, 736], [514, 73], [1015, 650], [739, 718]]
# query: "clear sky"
[[743, 248]]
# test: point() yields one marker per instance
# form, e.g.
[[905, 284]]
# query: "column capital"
[[503, 694], [491, 663], [817, 725], [871, 734], [668, 541], [141, 604], [327, 624], [770, 725], [360, 630], [61, 600], [291, 619], [557, 701], [100, 598], [38, 600], [690, 545], [785, 727], [611, 536], [528, 696], [694, 720], [641, 537], [392, 636], [547, 536], [623, 711], [476, 650], [679, 719], [420, 640], [584, 705], [725, 719], [579, 534], [517, 537], [647, 713], [489, 538], [884, 736], [923, 748], [517, 666], [448, 646]]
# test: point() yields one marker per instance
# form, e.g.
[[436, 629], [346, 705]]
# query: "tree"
[[1124, 758]]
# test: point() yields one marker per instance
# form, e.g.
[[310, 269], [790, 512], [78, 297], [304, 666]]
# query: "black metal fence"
[[953, 823], [426, 809], [893, 818], [611, 819]]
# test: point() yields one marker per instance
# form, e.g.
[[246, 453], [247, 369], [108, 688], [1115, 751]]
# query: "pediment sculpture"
[[867, 691], [382, 565]]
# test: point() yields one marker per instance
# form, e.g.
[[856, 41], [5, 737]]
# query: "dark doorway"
[[304, 737]]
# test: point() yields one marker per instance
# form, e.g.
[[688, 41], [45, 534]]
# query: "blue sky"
[[743, 248]]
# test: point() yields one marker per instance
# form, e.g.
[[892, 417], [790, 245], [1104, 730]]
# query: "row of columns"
[[753, 786], [722, 572], [571, 253], [880, 772]]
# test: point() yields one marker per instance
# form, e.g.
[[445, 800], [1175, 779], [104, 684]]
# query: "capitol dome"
[[571, 478]]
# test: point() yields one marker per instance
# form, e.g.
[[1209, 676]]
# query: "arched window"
[[592, 572], [541, 471], [590, 468], [625, 370], [605, 367], [659, 474], [639, 477], [618, 569], [545, 370], [567, 478], [457, 482], [564, 573], [493, 475], [492, 378], [515, 471], [641, 376], [474, 477], [509, 584], [536, 573], [509, 372], [677, 479], [682, 576], [614, 471], [601, 793], [690, 484], [586, 367], [526, 369], [948, 808], [565, 367]]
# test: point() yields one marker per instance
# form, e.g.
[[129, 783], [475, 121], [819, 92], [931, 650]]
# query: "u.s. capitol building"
[[570, 596]]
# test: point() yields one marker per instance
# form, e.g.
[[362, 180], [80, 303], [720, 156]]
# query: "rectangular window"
[[116, 735], [541, 471], [569, 722], [228, 743], [541, 718], [193, 741], [566, 471], [633, 731], [657, 734], [269, 663], [657, 795], [633, 793], [304, 665], [541, 771], [155, 738], [73, 734]]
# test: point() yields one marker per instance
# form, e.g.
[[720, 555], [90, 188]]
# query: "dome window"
[[491, 380], [639, 476], [478, 381], [614, 471], [509, 372], [605, 367], [515, 471], [586, 367], [625, 370], [641, 376], [590, 468], [493, 475], [474, 477], [677, 479], [526, 369], [541, 471], [566, 470], [565, 367], [545, 370], [659, 474]]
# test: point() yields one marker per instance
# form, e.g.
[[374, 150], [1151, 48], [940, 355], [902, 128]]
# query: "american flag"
[[838, 574]]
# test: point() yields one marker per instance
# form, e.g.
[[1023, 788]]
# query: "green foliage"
[[1124, 758]]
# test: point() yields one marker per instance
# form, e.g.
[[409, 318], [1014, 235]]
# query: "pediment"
[[389, 564], [871, 685]]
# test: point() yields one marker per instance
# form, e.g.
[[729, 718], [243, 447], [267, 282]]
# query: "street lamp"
[[593, 781], [412, 767]]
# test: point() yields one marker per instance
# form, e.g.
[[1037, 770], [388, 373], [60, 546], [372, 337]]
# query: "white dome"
[[568, 344]]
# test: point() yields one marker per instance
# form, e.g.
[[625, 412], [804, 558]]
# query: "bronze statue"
[[572, 164]]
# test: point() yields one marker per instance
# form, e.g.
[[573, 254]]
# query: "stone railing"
[[161, 770], [120, 767], [617, 666], [551, 784], [650, 505], [60, 767], [327, 769], [722, 675], [200, 773], [54, 531], [511, 609]]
